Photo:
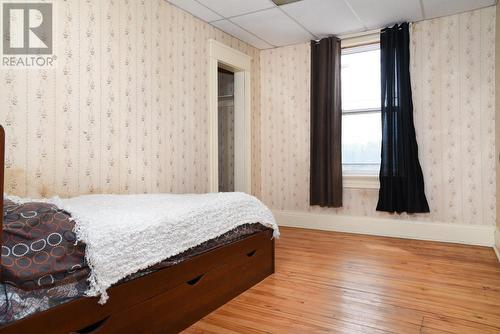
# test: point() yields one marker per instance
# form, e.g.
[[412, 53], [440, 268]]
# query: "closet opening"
[[230, 119], [225, 129]]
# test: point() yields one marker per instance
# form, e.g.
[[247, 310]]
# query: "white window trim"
[[355, 43], [361, 111], [360, 181], [358, 39]]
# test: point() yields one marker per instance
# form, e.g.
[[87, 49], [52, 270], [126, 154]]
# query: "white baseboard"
[[399, 228], [496, 247], [497, 252]]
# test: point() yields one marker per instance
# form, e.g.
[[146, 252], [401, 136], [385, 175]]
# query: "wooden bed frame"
[[165, 301]]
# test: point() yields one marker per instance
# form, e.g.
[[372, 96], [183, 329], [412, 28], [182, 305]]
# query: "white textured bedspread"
[[128, 233]]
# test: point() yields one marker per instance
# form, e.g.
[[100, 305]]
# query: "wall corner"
[[496, 247]]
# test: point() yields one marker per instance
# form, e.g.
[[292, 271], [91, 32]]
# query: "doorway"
[[230, 119], [225, 129]]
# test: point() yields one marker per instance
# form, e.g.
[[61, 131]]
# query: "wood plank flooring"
[[327, 282]]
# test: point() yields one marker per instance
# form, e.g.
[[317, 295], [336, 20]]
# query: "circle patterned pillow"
[[39, 248]]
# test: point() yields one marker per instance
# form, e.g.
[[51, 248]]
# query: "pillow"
[[39, 248]]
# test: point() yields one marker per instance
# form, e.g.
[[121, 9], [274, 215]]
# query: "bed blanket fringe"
[[128, 233]]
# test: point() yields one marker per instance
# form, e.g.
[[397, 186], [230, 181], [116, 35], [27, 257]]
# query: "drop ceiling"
[[265, 25]]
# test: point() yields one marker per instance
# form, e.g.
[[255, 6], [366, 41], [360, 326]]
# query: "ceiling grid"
[[265, 25]]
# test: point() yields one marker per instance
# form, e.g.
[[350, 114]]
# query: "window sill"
[[360, 181]]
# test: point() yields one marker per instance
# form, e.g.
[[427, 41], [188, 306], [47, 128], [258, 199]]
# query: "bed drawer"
[[165, 301], [178, 308], [136, 319]]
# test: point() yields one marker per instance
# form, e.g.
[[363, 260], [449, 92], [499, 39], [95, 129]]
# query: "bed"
[[165, 298]]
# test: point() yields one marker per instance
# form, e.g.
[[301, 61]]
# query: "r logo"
[[27, 28]]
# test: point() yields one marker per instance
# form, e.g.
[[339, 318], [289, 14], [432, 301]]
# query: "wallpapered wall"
[[453, 69], [125, 110], [497, 122]]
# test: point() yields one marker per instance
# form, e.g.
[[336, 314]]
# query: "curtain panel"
[[401, 179], [326, 124]]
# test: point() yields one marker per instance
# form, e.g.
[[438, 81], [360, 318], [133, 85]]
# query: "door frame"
[[221, 55]]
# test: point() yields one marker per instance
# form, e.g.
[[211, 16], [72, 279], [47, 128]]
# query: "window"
[[361, 125]]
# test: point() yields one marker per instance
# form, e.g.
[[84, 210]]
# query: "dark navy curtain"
[[401, 179]]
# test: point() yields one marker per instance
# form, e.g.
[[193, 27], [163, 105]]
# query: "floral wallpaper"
[[453, 73], [497, 123], [124, 109]]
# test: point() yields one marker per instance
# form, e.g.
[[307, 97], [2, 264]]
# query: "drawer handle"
[[92, 328], [252, 253], [195, 280]]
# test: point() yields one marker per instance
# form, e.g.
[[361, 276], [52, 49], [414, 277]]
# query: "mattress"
[[39, 275]]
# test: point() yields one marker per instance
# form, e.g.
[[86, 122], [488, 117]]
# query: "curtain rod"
[[363, 34], [355, 34], [360, 34], [367, 33]]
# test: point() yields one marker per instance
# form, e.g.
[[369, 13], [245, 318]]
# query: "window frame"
[[350, 45]]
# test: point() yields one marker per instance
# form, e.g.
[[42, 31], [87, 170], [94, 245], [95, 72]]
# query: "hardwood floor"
[[346, 283]]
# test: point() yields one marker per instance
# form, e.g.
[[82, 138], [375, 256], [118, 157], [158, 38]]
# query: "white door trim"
[[240, 64]]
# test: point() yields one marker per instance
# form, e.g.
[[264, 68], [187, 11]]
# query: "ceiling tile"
[[381, 13], [245, 36], [236, 7], [196, 9], [438, 8], [264, 25], [324, 17], [274, 26]]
